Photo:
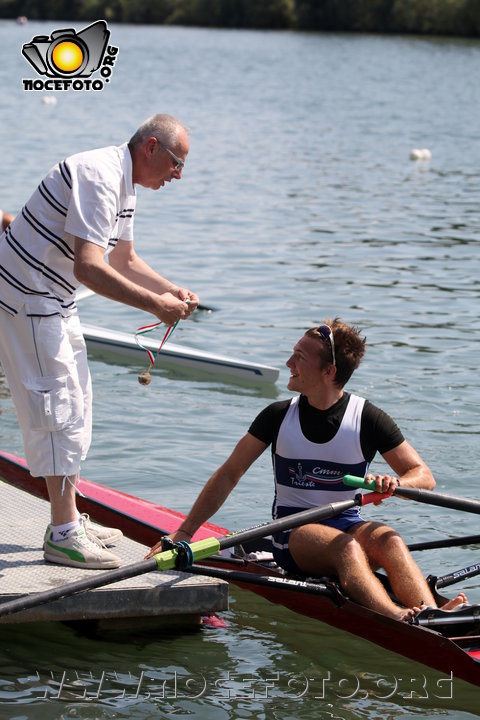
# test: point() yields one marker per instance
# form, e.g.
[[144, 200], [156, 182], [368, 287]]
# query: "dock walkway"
[[153, 598]]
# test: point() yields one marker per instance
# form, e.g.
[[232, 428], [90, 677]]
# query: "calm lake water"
[[298, 202]]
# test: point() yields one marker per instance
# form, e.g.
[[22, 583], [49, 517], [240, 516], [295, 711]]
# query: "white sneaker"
[[79, 550], [106, 535]]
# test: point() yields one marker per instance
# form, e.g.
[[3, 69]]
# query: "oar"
[[271, 581], [445, 543], [456, 576], [84, 293], [200, 550], [423, 496]]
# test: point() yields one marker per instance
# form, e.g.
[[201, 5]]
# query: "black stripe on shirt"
[[126, 213], [65, 173], [47, 234], [9, 309], [51, 200], [15, 283], [37, 265]]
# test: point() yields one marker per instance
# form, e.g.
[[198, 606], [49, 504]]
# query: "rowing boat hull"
[[144, 522], [120, 347]]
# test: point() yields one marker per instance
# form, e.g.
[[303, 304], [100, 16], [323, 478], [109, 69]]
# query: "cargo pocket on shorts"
[[54, 403]]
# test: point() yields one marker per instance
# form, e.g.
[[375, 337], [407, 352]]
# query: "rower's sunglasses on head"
[[327, 334], [179, 164]]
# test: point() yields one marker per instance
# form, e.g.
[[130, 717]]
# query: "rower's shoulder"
[[267, 423], [275, 410]]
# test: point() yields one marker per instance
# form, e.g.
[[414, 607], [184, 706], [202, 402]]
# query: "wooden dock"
[[155, 598]]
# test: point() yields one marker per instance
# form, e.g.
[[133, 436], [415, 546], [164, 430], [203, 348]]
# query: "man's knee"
[[391, 548]]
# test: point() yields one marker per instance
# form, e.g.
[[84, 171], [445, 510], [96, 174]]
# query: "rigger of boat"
[[448, 641]]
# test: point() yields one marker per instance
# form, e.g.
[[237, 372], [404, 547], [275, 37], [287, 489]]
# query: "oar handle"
[[358, 482], [423, 496]]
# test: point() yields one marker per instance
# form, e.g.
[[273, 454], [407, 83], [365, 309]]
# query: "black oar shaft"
[[439, 499], [457, 576], [316, 514], [269, 581], [445, 543]]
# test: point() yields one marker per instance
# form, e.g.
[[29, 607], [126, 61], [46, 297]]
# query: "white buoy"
[[423, 154], [49, 100]]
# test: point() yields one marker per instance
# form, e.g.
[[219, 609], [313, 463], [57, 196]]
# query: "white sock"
[[61, 532]]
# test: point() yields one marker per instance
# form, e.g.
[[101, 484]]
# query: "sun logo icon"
[[67, 57]]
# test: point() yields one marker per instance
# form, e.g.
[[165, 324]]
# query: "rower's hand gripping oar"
[[200, 550], [423, 496]]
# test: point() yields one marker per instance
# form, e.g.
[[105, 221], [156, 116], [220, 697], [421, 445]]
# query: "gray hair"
[[163, 127]]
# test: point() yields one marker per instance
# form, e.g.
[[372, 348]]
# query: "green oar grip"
[[359, 482], [201, 549]]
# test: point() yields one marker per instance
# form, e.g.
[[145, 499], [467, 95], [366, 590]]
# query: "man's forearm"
[[140, 273]]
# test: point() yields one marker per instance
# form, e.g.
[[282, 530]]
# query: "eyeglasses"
[[327, 334], [179, 164]]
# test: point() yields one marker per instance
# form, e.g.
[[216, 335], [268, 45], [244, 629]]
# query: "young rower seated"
[[316, 438]]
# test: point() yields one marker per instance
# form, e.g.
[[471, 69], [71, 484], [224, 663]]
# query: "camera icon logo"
[[68, 54]]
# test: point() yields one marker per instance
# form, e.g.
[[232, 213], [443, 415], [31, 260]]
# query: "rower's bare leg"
[[320, 550], [62, 498], [386, 548]]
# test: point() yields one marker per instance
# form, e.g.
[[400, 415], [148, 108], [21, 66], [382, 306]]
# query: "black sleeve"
[[266, 425], [379, 433]]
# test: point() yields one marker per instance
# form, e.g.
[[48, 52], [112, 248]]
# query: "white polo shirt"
[[89, 195]]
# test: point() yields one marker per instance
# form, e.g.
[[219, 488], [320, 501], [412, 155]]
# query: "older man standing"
[[80, 213]]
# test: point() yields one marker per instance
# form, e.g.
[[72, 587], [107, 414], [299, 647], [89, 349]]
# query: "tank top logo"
[[317, 476]]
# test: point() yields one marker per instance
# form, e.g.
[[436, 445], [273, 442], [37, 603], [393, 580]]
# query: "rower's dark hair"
[[350, 347]]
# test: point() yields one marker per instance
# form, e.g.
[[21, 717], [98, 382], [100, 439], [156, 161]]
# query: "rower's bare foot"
[[408, 614], [461, 599]]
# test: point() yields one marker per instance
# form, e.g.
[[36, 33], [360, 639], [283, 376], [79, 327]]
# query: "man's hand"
[[174, 537], [187, 296], [171, 308], [386, 484]]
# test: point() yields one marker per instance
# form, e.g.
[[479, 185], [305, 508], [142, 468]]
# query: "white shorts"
[[45, 363]]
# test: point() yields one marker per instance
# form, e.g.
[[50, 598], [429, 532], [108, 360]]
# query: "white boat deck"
[[153, 598], [120, 347]]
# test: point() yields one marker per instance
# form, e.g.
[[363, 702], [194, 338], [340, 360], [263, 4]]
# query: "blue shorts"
[[281, 553]]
